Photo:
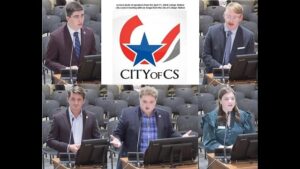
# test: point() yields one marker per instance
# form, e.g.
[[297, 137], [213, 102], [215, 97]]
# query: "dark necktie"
[[77, 44], [227, 47]]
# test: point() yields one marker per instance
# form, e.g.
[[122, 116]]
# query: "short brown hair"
[[77, 90], [72, 7], [148, 91]]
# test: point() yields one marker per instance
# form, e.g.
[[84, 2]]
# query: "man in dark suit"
[[63, 41], [83, 124], [242, 39], [139, 125]]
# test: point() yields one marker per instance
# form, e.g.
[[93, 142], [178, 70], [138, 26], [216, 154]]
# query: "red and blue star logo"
[[146, 53]]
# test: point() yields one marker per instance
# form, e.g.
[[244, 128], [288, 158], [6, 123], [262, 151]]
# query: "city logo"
[[147, 52]]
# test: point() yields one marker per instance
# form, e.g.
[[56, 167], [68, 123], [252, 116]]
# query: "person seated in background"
[[82, 123], [226, 40], [226, 118], [141, 124], [69, 43]]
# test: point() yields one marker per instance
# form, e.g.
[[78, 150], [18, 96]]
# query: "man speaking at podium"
[[69, 43], [226, 40], [70, 127], [141, 124]]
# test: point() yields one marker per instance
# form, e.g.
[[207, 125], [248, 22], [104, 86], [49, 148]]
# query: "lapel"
[[159, 123], [84, 117], [67, 121], [82, 44], [238, 42], [68, 42]]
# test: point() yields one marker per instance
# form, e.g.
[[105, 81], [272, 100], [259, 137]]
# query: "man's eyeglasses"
[[232, 17]]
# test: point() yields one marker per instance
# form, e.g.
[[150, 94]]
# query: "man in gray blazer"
[[61, 52], [82, 123], [141, 124], [242, 39]]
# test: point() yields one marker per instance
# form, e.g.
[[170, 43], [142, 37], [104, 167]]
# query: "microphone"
[[70, 165], [71, 58], [137, 146], [226, 127]]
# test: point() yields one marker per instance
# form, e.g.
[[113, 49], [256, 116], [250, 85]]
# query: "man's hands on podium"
[[115, 141], [73, 147], [187, 134], [72, 67], [228, 66]]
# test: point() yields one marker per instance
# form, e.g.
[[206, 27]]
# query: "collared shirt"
[[148, 131], [233, 33], [72, 34], [77, 126]]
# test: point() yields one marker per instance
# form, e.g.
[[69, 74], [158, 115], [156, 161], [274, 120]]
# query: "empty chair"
[[185, 93], [205, 22], [209, 106], [188, 109], [189, 122], [60, 11], [56, 110], [173, 103], [131, 96], [46, 126], [61, 96], [49, 21], [48, 106], [115, 90], [201, 7], [239, 95], [95, 26], [46, 4], [254, 94], [91, 95], [55, 26], [99, 113], [253, 17], [214, 90], [92, 10], [216, 12], [104, 102], [245, 88], [200, 98], [249, 105], [115, 108], [162, 94], [46, 90]]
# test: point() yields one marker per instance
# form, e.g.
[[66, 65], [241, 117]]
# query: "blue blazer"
[[130, 122], [215, 41]]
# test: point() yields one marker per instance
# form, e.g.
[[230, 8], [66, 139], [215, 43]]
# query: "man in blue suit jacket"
[[141, 124], [242, 39]]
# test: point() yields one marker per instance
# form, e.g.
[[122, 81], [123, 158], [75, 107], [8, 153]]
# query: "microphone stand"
[[137, 147], [226, 127], [70, 164]]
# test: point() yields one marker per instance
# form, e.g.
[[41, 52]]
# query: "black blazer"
[[59, 135], [130, 123], [215, 41]]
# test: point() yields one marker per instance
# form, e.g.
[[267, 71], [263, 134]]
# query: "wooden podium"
[[217, 164], [213, 81], [58, 165], [127, 165]]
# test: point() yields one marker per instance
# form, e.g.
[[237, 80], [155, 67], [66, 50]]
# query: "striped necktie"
[[227, 47], [77, 44]]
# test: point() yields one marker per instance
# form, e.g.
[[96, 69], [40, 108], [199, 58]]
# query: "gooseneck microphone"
[[70, 165], [226, 128], [71, 58], [137, 145]]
